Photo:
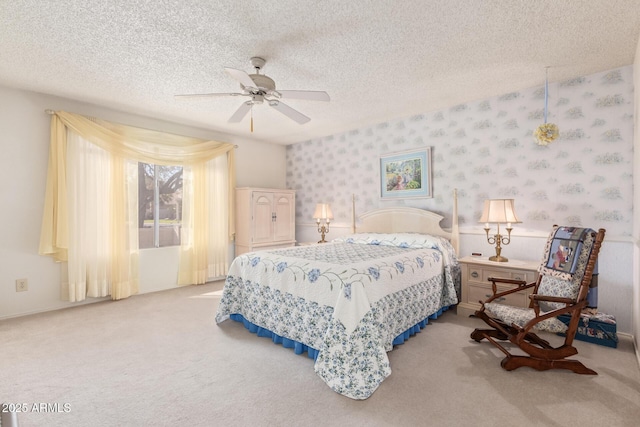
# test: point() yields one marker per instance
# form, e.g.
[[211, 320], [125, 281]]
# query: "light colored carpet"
[[160, 360]]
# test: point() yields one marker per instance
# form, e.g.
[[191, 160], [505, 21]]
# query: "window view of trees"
[[159, 205]]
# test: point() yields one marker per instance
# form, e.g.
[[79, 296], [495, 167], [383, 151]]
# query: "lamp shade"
[[323, 211], [499, 211]]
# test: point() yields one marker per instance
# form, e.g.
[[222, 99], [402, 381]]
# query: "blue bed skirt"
[[312, 353]]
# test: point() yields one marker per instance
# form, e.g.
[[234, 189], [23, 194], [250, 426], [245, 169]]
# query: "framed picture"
[[406, 174]]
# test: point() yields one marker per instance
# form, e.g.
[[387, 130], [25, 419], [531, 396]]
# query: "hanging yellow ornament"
[[547, 132]]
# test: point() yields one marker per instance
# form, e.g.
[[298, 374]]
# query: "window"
[[159, 205]]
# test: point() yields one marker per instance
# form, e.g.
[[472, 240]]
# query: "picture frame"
[[406, 174]]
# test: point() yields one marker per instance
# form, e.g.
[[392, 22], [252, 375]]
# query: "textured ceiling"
[[377, 59]]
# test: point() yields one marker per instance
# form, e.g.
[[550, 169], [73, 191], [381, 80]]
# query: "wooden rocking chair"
[[561, 288]]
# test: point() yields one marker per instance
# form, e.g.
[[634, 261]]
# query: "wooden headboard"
[[407, 220]]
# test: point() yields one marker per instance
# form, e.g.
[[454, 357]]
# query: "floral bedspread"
[[348, 299]]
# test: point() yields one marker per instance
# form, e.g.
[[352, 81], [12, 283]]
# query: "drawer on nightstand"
[[482, 293], [476, 286], [474, 274], [486, 273], [482, 275], [527, 276]]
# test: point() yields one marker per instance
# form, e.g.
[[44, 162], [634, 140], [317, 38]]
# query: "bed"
[[348, 302]]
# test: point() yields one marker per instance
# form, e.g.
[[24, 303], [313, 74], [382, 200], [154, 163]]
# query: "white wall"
[[636, 203], [24, 144]]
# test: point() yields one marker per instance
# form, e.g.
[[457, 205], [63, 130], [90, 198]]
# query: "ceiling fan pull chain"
[[251, 118]]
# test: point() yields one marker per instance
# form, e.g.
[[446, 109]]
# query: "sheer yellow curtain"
[[54, 234], [125, 146], [103, 234], [218, 257], [89, 187], [204, 250]]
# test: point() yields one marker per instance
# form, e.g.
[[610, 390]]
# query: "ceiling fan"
[[261, 88]]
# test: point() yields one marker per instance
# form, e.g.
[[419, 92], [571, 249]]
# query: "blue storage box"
[[599, 328]]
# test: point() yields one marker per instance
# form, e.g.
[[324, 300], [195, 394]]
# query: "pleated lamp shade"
[[499, 211], [323, 211]]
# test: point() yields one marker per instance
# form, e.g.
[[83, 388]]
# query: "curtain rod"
[[51, 113]]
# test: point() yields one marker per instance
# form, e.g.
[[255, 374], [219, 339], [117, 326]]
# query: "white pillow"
[[403, 240]]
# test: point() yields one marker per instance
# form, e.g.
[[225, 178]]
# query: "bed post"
[[455, 232], [353, 213]]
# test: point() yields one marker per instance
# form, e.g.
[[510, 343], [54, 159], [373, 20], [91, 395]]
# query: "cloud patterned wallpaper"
[[486, 149]]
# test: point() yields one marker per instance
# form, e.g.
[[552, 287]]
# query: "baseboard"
[[48, 309], [95, 300], [635, 346]]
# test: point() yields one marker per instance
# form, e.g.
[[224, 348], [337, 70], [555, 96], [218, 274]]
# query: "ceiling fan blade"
[[241, 112], [205, 95], [289, 112], [240, 76], [311, 95]]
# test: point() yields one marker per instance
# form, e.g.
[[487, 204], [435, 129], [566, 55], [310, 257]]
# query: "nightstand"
[[476, 287]]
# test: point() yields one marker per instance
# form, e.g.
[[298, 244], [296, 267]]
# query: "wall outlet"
[[22, 285]]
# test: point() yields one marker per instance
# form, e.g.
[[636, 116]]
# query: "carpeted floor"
[[160, 360]]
